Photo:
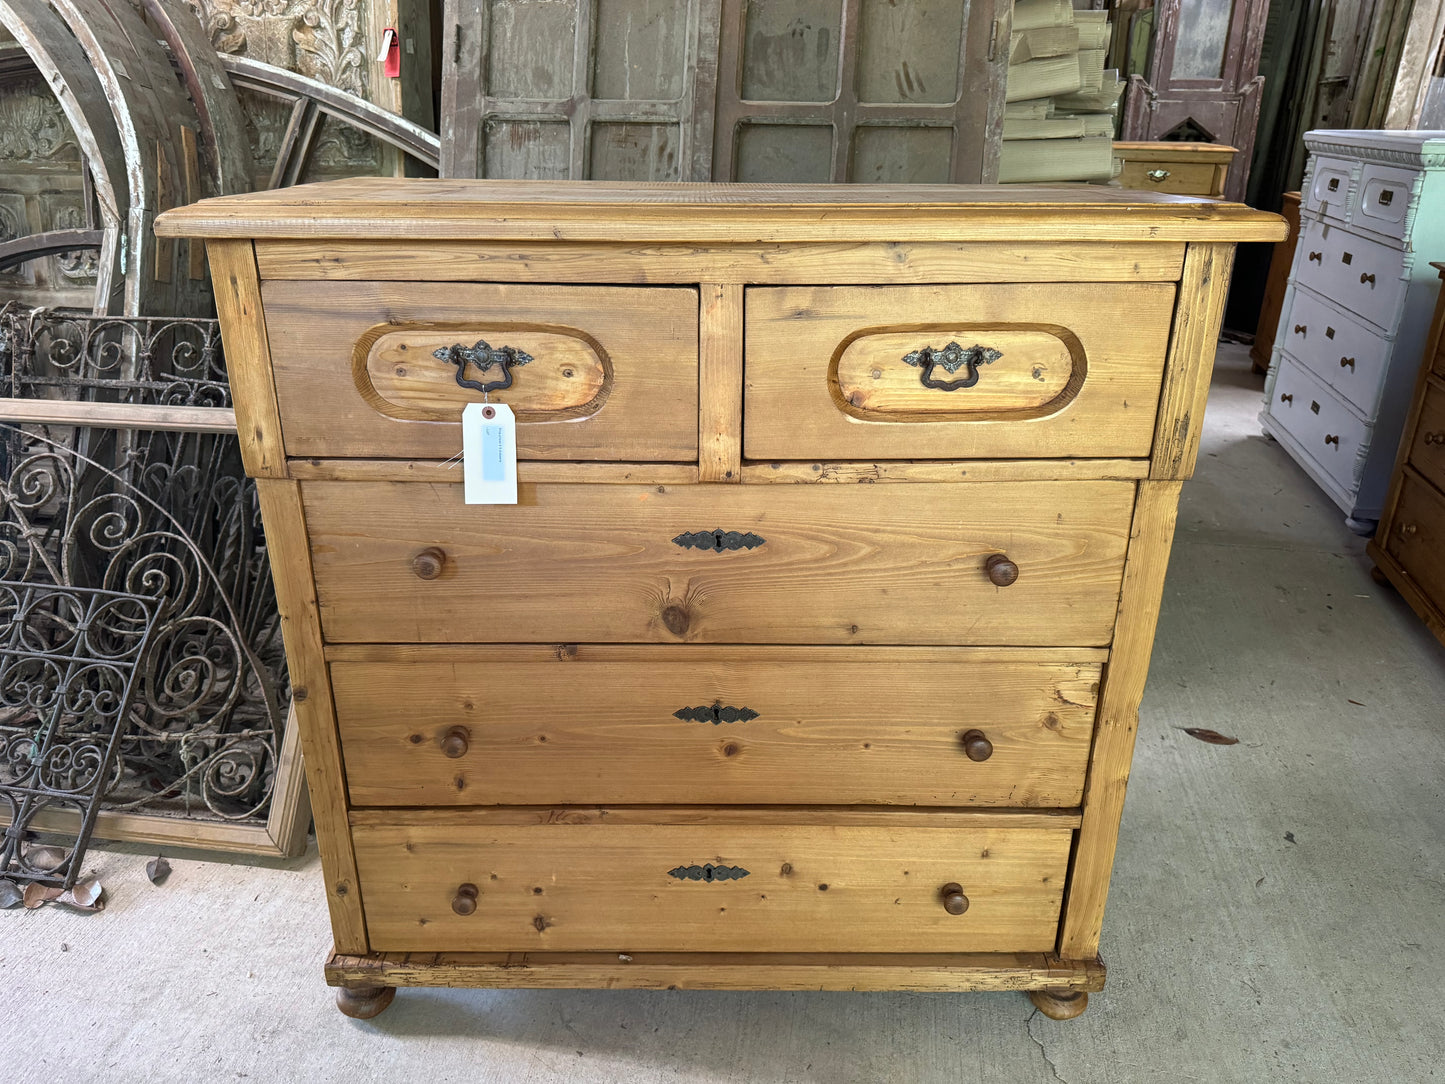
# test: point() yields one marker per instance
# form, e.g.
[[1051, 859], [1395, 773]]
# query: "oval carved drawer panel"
[[907, 564], [623, 888], [911, 372], [594, 372], [661, 725]]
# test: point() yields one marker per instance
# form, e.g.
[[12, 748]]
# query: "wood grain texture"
[[720, 261], [821, 472], [853, 564], [381, 207], [809, 889], [248, 357], [720, 368], [565, 373], [1203, 292], [285, 525], [179, 419], [449, 471], [823, 730], [1113, 338], [920, 972], [646, 339], [1118, 721], [771, 815]]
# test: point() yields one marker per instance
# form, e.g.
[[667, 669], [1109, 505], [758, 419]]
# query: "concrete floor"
[[1276, 912]]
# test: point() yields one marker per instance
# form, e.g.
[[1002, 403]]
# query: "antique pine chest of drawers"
[[810, 655]]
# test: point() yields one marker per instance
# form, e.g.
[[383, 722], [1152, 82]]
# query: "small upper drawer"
[[1361, 275], [1427, 444], [1180, 178], [1384, 199], [1330, 189], [368, 369], [1347, 354], [942, 372], [456, 885]]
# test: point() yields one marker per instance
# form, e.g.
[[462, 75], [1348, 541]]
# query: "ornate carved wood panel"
[[784, 90]]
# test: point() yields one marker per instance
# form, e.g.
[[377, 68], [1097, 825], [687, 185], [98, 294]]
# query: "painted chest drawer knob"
[[1001, 571], [428, 564], [977, 745], [1347, 363], [954, 901], [456, 742], [1367, 278], [465, 901]]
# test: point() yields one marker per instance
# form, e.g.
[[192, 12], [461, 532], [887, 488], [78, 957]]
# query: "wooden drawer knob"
[[954, 901], [976, 745], [428, 564], [1001, 571], [1434, 438], [456, 742], [465, 901]]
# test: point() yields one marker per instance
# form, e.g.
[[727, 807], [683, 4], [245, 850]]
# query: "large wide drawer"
[[903, 564], [677, 725], [610, 373], [1417, 535], [448, 886], [1347, 354], [1355, 272], [1323, 425], [1427, 442], [940, 372]]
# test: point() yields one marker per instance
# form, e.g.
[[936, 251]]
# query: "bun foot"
[[364, 1002], [1060, 1004]]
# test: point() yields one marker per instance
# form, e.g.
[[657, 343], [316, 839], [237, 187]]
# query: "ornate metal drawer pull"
[[715, 714], [950, 359], [718, 540], [1157, 175], [708, 873], [483, 355]]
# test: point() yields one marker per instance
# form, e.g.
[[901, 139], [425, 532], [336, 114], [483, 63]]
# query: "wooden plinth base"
[[718, 971], [1060, 1004], [364, 1002]]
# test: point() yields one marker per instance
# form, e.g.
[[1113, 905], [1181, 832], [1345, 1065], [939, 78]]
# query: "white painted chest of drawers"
[[1358, 308]]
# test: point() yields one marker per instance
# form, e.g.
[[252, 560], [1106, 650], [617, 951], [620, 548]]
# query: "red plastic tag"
[[390, 54]]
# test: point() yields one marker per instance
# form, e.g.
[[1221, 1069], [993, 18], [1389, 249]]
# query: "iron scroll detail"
[[715, 714], [950, 359], [718, 540], [708, 873], [483, 355]]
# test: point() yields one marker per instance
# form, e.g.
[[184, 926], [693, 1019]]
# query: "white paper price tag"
[[489, 453]]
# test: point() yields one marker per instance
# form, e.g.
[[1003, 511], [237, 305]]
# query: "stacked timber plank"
[[1060, 101]]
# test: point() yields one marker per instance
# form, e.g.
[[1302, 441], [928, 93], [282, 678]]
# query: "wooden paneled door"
[[1204, 83], [746, 90]]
